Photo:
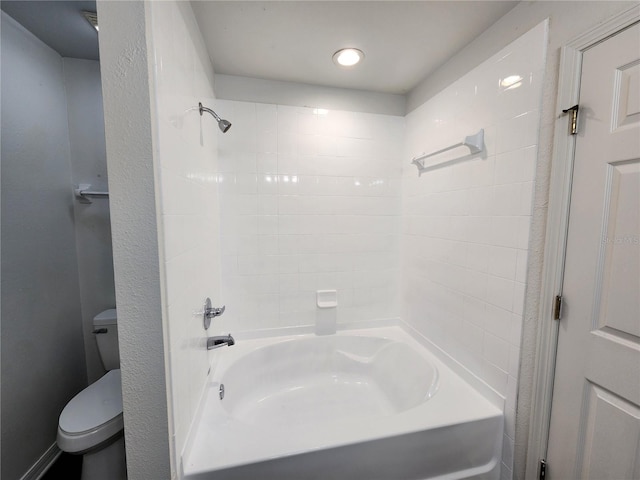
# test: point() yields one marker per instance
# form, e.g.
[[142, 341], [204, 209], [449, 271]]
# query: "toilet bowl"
[[93, 416], [91, 424]]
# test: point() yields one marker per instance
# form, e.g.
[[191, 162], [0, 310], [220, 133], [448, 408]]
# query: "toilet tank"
[[105, 330]]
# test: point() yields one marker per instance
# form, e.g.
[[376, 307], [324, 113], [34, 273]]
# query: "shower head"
[[223, 125]]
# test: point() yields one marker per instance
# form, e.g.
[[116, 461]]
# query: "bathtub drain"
[[221, 391]]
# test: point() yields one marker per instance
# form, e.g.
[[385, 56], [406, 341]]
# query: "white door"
[[595, 414]]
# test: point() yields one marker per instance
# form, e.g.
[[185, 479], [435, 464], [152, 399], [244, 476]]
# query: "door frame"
[[556, 233]]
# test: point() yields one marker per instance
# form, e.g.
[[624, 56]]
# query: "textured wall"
[[43, 364], [132, 185]]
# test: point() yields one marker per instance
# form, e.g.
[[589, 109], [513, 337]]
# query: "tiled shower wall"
[[188, 203], [466, 225], [314, 199], [310, 200]]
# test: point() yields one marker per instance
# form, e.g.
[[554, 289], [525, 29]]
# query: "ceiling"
[[59, 24], [403, 41]]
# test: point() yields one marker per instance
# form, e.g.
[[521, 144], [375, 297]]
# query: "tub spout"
[[221, 341]]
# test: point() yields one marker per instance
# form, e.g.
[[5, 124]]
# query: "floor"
[[67, 467]]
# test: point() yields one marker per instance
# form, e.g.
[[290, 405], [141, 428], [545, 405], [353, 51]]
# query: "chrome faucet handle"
[[214, 312], [210, 312]]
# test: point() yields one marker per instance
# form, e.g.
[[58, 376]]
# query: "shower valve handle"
[[212, 312]]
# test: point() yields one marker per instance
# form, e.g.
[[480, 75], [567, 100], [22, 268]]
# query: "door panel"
[[595, 415], [626, 103], [620, 302], [610, 444]]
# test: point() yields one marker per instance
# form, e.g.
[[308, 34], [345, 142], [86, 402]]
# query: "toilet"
[[91, 423]]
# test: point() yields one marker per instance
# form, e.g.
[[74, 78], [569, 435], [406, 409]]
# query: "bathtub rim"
[[229, 368], [484, 390]]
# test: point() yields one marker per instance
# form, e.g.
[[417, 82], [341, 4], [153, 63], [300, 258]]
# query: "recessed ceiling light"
[[348, 57]]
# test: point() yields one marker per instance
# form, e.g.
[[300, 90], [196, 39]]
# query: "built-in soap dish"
[[327, 298]]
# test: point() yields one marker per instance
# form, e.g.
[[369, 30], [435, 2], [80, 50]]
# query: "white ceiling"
[[403, 41]]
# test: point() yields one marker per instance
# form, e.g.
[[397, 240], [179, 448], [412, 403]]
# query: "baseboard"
[[39, 468]]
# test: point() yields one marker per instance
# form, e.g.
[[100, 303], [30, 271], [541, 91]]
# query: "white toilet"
[[91, 424]]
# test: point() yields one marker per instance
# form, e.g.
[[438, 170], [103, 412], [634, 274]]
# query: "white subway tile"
[[521, 266], [498, 321], [507, 199], [496, 351], [500, 292], [288, 204], [267, 184], [288, 282], [288, 244], [503, 262], [510, 422], [516, 329], [505, 231], [478, 257], [287, 118], [518, 298], [514, 361], [267, 162], [257, 264], [246, 183], [507, 450], [288, 224], [474, 283], [526, 199], [287, 162], [472, 338], [495, 377], [516, 166], [267, 204], [288, 263], [523, 228], [518, 132], [268, 244], [287, 184], [246, 244]]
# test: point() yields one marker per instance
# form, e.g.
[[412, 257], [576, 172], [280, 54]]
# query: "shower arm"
[[208, 110], [223, 124]]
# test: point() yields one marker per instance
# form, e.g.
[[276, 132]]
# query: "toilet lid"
[[94, 406]]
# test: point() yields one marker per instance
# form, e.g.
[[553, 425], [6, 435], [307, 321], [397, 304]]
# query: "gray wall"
[[42, 351], [92, 222]]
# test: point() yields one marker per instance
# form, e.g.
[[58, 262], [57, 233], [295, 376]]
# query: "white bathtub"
[[369, 404]]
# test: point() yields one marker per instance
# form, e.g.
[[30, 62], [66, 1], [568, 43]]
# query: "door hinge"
[[573, 119], [557, 307], [543, 469]]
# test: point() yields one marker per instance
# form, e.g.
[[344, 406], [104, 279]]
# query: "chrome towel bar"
[[475, 143], [84, 194]]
